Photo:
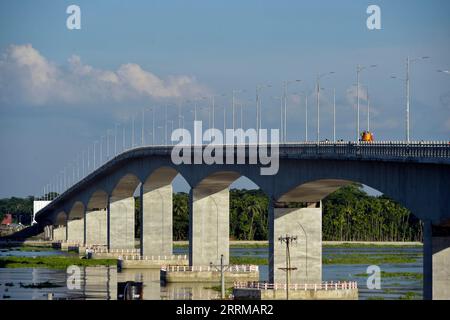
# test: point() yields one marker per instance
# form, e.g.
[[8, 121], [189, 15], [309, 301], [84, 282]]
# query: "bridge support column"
[[209, 226], [59, 233], [48, 232], [96, 227], [156, 225], [436, 262], [75, 230], [305, 252], [121, 223]]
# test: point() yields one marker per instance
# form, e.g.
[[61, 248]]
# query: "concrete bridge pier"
[[209, 226], [121, 223], [436, 262], [96, 227], [306, 251], [156, 223], [75, 230], [59, 233]]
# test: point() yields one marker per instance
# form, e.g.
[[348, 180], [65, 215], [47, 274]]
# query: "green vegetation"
[[366, 259], [370, 245], [349, 214], [248, 260], [228, 290], [408, 296], [29, 249], [384, 274], [52, 262], [21, 209]]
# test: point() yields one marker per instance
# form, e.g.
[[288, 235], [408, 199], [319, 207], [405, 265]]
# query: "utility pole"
[[288, 240], [221, 268]]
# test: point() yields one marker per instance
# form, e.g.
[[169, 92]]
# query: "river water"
[[101, 282]]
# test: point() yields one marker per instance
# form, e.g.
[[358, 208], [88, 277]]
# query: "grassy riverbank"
[[340, 259], [52, 262], [325, 244]]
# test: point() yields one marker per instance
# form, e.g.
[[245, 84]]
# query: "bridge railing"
[[156, 258], [231, 268], [422, 149], [297, 286], [438, 150]]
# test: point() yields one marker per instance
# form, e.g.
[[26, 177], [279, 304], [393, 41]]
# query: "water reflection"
[[101, 282]]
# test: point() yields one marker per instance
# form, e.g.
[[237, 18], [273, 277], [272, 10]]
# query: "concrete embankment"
[[277, 291], [208, 274]]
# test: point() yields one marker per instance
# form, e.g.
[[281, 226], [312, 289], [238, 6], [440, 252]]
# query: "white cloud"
[[27, 76], [352, 95]]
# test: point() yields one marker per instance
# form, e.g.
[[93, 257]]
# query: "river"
[[402, 280]]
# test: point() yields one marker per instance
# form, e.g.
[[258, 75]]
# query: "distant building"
[[7, 219]]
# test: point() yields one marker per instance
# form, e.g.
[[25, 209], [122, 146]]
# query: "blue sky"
[[154, 53]]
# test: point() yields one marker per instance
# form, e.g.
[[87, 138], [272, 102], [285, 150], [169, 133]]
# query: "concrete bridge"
[[100, 209]]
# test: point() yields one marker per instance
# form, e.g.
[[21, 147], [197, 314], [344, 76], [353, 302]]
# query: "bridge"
[[100, 208]]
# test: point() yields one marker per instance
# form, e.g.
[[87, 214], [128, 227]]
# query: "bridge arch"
[[122, 220], [209, 230], [59, 229], [96, 218], [157, 212], [75, 223]]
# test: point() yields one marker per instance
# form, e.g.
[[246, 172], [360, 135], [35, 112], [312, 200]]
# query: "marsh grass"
[[384, 274], [367, 259], [52, 262]]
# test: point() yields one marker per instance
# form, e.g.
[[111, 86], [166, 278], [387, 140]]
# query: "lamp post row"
[[62, 181]]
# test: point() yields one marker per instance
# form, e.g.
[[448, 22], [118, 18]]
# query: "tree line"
[[349, 214]]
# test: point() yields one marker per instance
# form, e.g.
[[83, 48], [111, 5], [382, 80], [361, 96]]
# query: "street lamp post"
[[258, 106], [408, 92], [285, 92], [359, 68], [368, 110], [318, 101], [143, 127], [334, 114], [233, 105]]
